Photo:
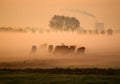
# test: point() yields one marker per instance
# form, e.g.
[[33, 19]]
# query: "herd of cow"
[[61, 50]]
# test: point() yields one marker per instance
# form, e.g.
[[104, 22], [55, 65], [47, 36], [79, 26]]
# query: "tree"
[[64, 23]]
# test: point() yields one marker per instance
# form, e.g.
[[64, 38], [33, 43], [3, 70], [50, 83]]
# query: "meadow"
[[59, 76]]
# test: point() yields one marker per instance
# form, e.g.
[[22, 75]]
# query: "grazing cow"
[[72, 49], [43, 49], [33, 49], [50, 48], [64, 50], [80, 51], [61, 49]]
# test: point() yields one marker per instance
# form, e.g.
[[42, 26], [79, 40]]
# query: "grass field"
[[31, 77]]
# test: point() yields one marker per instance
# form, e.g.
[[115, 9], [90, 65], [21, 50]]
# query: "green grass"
[[51, 78]]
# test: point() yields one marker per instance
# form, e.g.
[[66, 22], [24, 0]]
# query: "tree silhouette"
[[64, 23]]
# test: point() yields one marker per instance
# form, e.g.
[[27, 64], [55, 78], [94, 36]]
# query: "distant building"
[[99, 26]]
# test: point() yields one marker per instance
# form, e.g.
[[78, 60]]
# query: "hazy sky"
[[37, 13]]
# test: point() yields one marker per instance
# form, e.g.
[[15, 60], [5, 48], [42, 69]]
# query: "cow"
[[64, 50], [60, 49], [72, 49], [50, 48], [43, 49], [33, 49], [80, 51]]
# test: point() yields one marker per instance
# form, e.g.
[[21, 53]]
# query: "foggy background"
[[101, 50]]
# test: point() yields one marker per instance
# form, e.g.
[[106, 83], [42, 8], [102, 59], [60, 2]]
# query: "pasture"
[[59, 76]]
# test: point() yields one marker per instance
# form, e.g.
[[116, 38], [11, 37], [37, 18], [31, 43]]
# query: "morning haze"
[[92, 24]]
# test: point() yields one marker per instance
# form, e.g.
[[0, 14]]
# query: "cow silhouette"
[[64, 50], [72, 49], [59, 50], [50, 48], [33, 49], [43, 49], [80, 51]]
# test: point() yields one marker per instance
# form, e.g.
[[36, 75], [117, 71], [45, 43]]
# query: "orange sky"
[[37, 13]]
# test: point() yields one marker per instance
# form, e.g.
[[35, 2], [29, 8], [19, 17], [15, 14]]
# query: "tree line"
[[64, 23]]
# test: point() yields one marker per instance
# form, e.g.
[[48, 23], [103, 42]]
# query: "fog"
[[101, 50]]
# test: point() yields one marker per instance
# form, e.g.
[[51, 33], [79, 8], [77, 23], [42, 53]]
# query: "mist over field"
[[102, 51], [59, 41]]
